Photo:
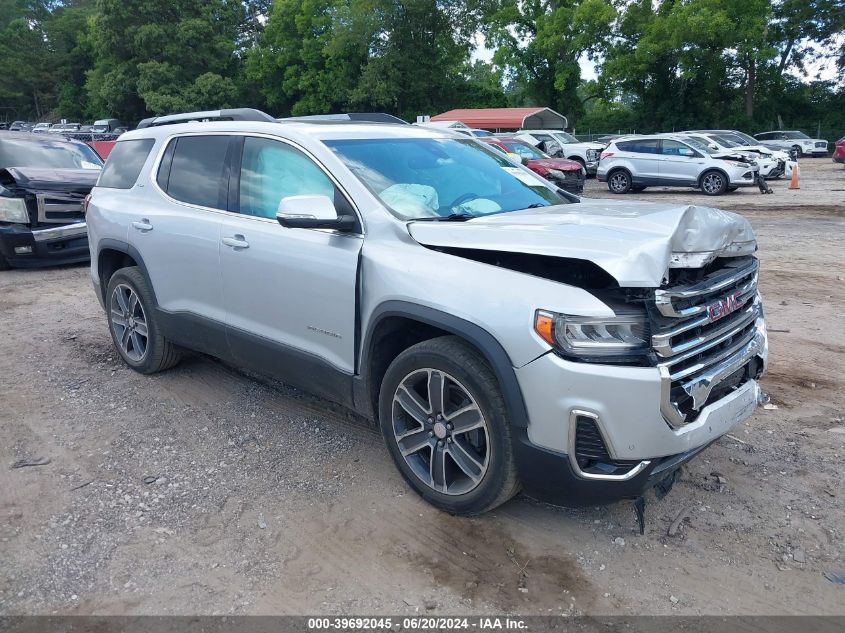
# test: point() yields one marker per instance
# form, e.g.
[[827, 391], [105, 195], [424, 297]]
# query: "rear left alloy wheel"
[[446, 425], [619, 181], [133, 325]]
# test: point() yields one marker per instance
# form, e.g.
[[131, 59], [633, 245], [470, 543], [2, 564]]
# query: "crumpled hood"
[[636, 243], [38, 179], [561, 164], [587, 145]]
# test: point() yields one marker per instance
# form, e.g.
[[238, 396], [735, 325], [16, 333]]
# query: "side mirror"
[[713, 146], [312, 212], [524, 160]]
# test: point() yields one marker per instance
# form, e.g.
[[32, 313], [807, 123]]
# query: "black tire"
[[798, 151], [158, 353], [619, 181], [733, 187], [638, 188], [4, 264], [465, 370], [713, 183]]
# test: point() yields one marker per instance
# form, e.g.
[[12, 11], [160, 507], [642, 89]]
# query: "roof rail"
[[232, 114], [346, 117]]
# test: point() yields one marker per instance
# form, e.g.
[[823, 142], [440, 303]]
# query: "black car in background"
[[44, 179]]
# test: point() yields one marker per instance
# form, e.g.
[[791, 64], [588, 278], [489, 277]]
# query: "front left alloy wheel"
[[714, 183], [446, 425]]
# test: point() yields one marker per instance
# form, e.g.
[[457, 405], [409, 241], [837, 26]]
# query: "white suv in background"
[[793, 140], [585, 153], [632, 163]]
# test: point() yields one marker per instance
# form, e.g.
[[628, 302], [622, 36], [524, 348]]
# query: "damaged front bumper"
[[612, 418], [24, 247]]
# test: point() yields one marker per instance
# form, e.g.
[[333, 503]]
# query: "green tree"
[[68, 33], [539, 43], [160, 56], [26, 83]]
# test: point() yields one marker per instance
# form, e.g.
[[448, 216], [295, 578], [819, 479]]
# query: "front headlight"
[[13, 210], [556, 173], [592, 154], [622, 335]]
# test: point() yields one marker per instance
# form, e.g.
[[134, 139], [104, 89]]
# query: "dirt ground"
[[264, 500]]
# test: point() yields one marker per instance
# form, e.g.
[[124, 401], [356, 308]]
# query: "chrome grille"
[[706, 335], [59, 208]]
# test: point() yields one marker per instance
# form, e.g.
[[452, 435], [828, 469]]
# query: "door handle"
[[236, 242], [143, 226]]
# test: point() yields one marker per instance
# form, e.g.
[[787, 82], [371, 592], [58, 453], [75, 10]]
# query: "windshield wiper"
[[536, 205], [452, 217]]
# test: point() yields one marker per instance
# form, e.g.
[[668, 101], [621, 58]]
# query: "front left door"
[[679, 164], [290, 294]]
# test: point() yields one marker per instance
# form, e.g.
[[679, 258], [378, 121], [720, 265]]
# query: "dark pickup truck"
[[43, 185]]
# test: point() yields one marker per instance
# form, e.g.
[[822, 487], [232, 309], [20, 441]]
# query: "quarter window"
[[124, 163], [272, 170], [199, 172]]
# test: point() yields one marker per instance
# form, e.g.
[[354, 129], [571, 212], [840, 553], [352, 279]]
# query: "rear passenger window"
[[639, 147], [124, 163], [199, 172], [272, 170]]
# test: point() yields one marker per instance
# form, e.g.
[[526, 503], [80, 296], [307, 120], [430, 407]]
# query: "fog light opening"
[[23, 250]]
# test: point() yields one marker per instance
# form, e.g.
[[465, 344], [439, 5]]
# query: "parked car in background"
[[105, 126], [43, 182], [570, 147], [64, 128], [502, 335], [18, 126], [839, 153], [566, 174], [772, 163], [636, 162], [39, 128], [802, 144]]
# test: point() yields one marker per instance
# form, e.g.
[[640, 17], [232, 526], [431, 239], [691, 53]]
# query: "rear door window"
[[199, 170], [639, 146], [125, 162]]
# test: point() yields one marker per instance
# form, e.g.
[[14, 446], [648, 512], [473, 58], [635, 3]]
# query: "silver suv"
[[632, 163], [502, 333]]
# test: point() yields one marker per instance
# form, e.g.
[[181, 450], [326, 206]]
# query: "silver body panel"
[[301, 288]]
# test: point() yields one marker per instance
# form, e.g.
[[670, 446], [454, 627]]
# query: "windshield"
[[795, 135], [735, 140], [431, 178], [566, 137], [745, 139], [48, 155], [524, 150], [697, 144]]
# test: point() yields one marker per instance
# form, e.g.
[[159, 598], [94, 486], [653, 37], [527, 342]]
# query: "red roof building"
[[507, 118]]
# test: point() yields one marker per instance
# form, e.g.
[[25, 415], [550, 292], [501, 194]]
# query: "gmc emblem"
[[723, 307]]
